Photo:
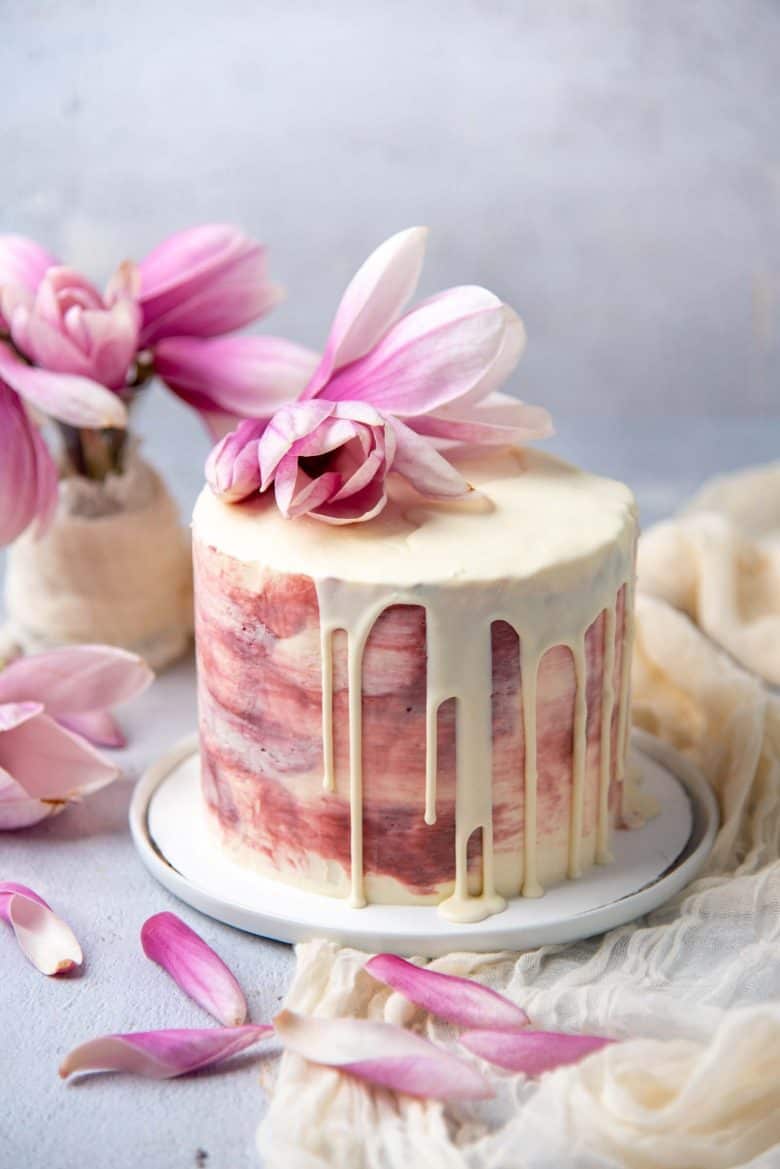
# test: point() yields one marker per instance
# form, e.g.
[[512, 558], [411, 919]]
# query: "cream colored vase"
[[114, 567]]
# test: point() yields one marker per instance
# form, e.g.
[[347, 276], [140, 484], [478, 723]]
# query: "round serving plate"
[[652, 863]]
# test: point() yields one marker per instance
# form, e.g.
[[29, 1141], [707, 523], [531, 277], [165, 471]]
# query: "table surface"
[[84, 863]]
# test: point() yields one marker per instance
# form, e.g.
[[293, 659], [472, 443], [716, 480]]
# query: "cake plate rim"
[[419, 930]]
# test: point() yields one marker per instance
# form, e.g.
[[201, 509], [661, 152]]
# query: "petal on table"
[[161, 1055], [532, 1052], [50, 762], [47, 941], [78, 679], [98, 726], [382, 1055], [459, 1000], [194, 966]]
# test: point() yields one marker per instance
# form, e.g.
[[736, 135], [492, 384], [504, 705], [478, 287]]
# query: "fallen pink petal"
[[195, 967], [382, 1055], [52, 712], [459, 1000], [47, 941], [532, 1052], [162, 1055]]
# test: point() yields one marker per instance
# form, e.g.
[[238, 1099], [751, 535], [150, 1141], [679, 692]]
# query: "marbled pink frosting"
[[261, 738]]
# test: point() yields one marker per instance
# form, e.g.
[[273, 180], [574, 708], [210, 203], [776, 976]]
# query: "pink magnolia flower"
[[53, 706], [64, 325], [386, 390], [28, 476], [202, 282]]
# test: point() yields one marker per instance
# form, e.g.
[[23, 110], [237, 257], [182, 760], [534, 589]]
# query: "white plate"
[[652, 863]]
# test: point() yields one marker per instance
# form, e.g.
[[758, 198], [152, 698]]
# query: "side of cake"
[[432, 707]]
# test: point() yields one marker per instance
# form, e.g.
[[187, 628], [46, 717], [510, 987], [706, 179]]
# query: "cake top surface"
[[529, 513]]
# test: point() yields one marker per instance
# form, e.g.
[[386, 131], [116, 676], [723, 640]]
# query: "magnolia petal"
[[459, 1000], [531, 1052], [23, 264], [248, 377], [435, 355], [161, 1055], [75, 400], [233, 467], [303, 497], [356, 509], [79, 679], [418, 461], [18, 810], [28, 475], [203, 282], [50, 762], [288, 426], [373, 300], [98, 726], [487, 423], [509, 354], [13, 714], [194, 966], [47, 941], [383, 1055]]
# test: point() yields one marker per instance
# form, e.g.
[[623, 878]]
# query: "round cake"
[[432, 707]]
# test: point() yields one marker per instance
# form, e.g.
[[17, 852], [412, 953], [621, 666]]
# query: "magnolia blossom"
[[66, 326], [53, 707], [387, 391]]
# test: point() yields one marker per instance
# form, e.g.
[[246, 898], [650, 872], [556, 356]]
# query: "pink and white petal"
[[75, 400], [373, 300], [509, 354], [195, 967], [125, 283], [28, 475], [288, 426], [50, 762], [382, 1055], [459, 1000], [18, 810], [48, 346], [250, 377], [299, 496], [77, 679], [498, 420], [364, 474], [190, 258], [162, 1055], [233, 299], [418, 461], [232, 468], [364, 505], [13, 714], [434, 355], [98, 726], [113, 341], [23, 264], [532, 1052], [47, 941]]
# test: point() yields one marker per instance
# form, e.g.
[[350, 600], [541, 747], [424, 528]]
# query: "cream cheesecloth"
[[693, 989]]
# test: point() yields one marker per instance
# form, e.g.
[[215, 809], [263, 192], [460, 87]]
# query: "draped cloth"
[[692, 990]]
